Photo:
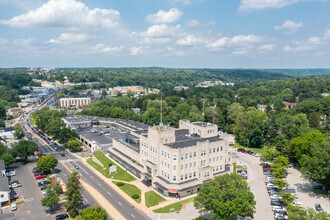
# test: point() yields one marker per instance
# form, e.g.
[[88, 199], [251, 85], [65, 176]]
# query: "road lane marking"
[[109, 193], [132, 215], [119, 203]]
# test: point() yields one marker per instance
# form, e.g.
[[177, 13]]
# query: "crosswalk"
[[69, 160]]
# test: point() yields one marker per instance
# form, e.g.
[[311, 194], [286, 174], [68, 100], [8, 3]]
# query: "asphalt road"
[[256, 181]]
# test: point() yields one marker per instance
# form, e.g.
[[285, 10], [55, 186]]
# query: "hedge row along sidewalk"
[[120, 175]]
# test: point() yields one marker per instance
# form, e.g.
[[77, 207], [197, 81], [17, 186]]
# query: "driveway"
[[305, 192], [256, 181]]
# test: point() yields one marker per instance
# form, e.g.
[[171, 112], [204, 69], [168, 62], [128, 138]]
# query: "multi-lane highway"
[[70, 160]]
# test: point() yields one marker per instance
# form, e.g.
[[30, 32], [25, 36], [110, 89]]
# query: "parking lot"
[[105, 140], [31, 209], [305, 192], [256, 181]]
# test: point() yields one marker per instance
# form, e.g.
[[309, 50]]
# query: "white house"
[[7, 132]]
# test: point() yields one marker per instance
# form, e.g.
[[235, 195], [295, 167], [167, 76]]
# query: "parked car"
[[318, 187], [240, 149], [297, 204], [318, 207], [62, 216], [289, 189], [278, 208], [267, 172], [13, 181], [247, 152], [15, 185], [43, 187], [13, 207], [54, 208], [62, 154], [14, 197], [41, 176]]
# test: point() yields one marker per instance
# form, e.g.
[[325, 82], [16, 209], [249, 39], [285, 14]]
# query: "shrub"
[[120, 184], [135, 196]]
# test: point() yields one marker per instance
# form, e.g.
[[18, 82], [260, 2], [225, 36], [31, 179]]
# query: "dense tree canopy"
[[226, 196], [93, 213], [47, 163]]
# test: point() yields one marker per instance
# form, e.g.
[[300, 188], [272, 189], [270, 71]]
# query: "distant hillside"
[[302, 72]]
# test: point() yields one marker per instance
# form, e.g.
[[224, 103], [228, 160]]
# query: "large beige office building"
[[174, 161], [74, 102]]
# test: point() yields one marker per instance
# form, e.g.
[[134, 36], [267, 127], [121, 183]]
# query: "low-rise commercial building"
[[4, 186], [74, 102]]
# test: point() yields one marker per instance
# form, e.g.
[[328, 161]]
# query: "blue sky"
[[165, 33]]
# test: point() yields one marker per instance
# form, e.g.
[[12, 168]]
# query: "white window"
[[186, 166], [181, 177], [213, 150], [194, 174], [194, 154], [181, 156], [210, 160], [190, 165], [162, 153], [195, 164], [210, 150], [217, 158], [174, 167], [181, 167], [186, 176], [174, 178], [217, 149], [190, 175], [213, 159], [174, 157], [186, 156], [221, 148], [190, 155]]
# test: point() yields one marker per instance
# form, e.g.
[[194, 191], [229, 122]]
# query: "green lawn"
[[176, 206], [153, 199], [120, 175], [130, 190], [255, 150]]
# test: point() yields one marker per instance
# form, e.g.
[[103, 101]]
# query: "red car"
[[247, 152], [14, 197], [40, 176], [240, 149]]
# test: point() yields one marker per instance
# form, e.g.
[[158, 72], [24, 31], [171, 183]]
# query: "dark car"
[[35, 170], [62, 154], [13, 181], [318, 207], [13, 197], [54, 208], [317, 187], [43, 187], [240, 149], [62, 216]]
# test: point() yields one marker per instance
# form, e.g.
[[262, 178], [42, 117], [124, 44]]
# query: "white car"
[[275, 197], [297, 204], [257, 155], [13, 207], [278, 208], [270, 185], [15, 185]]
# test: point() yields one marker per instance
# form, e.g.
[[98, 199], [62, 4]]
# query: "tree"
[[73, 195], [302, 145], [51, 199], [317, 165], [8, 158], [299, 213], [24, 148], [19, 133], [2, 123], [93, 213], [73, 145], [287, 198], [226, 197], [47, 163], [60, 95]]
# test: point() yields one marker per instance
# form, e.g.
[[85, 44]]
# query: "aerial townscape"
[[165, 110]]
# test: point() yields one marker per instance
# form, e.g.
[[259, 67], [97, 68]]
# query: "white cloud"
[[196, 23], [251, 5], [175, 52], [297, 49], [266, 47], [219, 43], [69, 38], [159, 30], [165, 17], [189, 40], [135, 50], [106, 49], [66, 13], [157, 40], [240, 52], [314, 40], [243, 39], [183, 2], [290, 25], [327, 34]]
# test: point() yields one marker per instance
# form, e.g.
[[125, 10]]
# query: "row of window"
[[190, 175]]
